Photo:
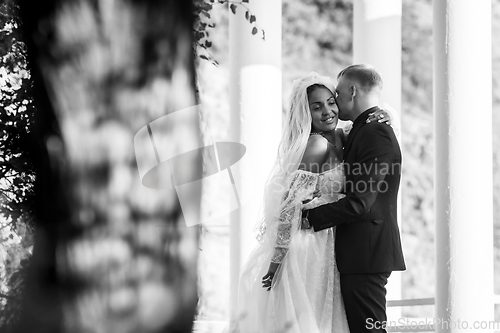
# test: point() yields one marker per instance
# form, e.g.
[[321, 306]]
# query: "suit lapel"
[[348, 144], [358, 123]]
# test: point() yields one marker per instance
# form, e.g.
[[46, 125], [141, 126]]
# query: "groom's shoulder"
[[375, 133], [376, 128]]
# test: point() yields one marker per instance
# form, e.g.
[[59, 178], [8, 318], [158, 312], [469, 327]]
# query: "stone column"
[[377, 41], [463, 174], [255, 102]]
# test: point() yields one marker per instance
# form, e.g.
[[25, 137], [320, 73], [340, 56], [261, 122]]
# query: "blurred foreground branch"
[[110, 255]]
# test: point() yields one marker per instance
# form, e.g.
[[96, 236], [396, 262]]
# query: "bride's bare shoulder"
[[315, 154]]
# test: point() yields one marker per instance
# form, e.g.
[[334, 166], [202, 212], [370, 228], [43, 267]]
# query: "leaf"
[[254, 30], [199, 35], [247, 15], [208, 43], [243, 1], [233, 8], [206, 14], [204, 57], [206, 6], [253, 19]]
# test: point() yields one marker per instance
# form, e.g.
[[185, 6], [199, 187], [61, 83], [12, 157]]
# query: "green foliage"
[[16, 120], [203, 24], [201, 29], [17, 176], [16, 286], [418, 149], [325, 46]]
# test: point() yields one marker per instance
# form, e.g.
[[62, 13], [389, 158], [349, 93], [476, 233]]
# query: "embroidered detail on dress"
[[302, 187]]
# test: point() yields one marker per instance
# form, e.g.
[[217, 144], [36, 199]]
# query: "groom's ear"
[[353, 92]]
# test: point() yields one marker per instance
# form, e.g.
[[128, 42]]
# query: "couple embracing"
[[329, 239]]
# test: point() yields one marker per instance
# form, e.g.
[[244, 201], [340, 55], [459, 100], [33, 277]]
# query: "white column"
[[463, 160], [377, 41], [255, 102]]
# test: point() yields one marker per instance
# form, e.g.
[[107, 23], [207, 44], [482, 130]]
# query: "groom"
[[368, 245]]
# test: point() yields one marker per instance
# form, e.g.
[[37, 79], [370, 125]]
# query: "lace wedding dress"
[[305, 295]]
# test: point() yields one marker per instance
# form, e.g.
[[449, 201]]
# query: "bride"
[[291, 282]]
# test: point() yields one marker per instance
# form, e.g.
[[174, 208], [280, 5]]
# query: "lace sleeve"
[[301, 187]]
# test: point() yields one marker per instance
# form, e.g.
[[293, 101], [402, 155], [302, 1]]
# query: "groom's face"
[[343, 99]]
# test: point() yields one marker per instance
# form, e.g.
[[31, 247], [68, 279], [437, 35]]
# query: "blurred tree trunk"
[[110, 255]]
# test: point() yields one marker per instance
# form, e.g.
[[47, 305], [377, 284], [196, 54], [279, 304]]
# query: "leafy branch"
[[248, 15], [6, 296], [202, 27]]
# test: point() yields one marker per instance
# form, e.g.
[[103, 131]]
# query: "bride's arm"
[[386, 115], [301, 188]]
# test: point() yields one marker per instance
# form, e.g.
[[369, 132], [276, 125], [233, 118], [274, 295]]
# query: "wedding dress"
[[305, 295]]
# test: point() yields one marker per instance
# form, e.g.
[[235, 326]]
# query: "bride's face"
[[324, 111]]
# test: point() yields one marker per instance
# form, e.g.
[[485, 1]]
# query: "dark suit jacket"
[[367, 239]]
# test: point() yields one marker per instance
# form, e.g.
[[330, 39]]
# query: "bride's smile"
[[324, 111]]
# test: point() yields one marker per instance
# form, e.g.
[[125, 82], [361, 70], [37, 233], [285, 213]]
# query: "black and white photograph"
[[249, 166]]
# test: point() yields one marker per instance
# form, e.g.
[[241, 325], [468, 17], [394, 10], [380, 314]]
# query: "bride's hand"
[[268, 278], [382, 116]]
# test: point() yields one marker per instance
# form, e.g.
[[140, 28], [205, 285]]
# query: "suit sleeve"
[[374, 156]]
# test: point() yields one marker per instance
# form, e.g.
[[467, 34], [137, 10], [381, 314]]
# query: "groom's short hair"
[[364, 74]]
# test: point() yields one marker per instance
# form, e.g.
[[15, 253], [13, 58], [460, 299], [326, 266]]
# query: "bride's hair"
[[296, 131]]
